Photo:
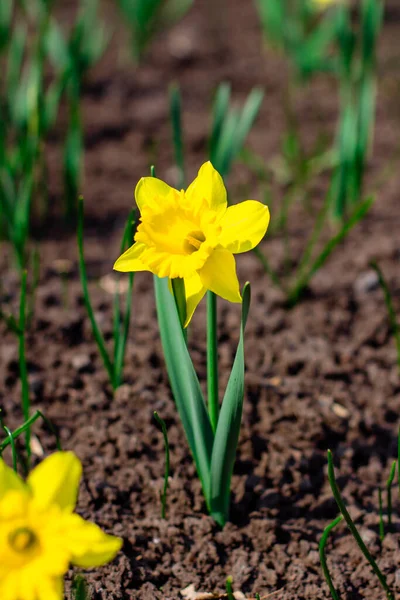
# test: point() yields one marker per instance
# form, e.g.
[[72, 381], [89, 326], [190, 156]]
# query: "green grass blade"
[[15, 434], [220, 111], [322, 556], [302, 283], [123, 332], [13, 448], [381, 523], [184, 383], [80, 589], [228, 429], [389, 484], [248, 116], [390, 309], [353, 528], [86, 297]]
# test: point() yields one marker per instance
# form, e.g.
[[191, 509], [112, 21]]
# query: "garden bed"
[[322, 375]]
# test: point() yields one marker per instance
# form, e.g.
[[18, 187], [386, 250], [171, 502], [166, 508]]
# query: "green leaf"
[[184, 383], [228, 429], [220, 111]]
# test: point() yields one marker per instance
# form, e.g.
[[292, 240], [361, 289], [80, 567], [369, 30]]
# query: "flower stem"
[[212, 360]]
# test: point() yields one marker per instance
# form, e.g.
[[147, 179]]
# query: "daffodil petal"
[[244, 226], [56, 481], [50, 588], [89, 546], [151, 189], [130, 261], [219, 275], [208, 186], [9, 480], [194, 291]]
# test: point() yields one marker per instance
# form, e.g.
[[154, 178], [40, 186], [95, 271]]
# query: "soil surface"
[[320, 376]]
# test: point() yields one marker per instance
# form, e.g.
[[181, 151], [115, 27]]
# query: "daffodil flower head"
[[193, 235], [40, 535]]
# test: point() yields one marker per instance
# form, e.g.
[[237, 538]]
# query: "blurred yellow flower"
[[322, 4], [193, 235], [39, 533]]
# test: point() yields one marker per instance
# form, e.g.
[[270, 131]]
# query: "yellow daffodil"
[[193, 235], [40, 535]]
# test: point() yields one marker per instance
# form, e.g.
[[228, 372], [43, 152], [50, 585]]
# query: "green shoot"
[[390, 309], [381, 522], [145, 17], [230, 127], [398, 460], [229, 589], [27, 425], [18, 327], [353, 528], [80, 589], [114, 367], [163, 427], [13, 449], [389, 484], [322, 556]]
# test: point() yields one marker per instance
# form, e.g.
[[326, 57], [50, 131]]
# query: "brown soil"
[[320, 376]]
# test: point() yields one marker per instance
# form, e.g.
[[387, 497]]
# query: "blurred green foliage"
[[44, 65], [146, 17]]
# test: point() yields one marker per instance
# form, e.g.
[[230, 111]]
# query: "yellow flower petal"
[[151, 190], [88, 544], [9, 480], [50, 588], [208, 186], [219, 275], [244, 226], [194, 291], [56, 481], [29, 584], [130, 261]]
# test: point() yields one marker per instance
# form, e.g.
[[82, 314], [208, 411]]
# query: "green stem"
[[18, 432], [389, 484], [322, 556], [13, 449], [381, 523], [353, 528], [398, 460], [161, 423], [89, 309], [212, 360]]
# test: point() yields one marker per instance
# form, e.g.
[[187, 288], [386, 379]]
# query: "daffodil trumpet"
[[41, 535], [188, 239]]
